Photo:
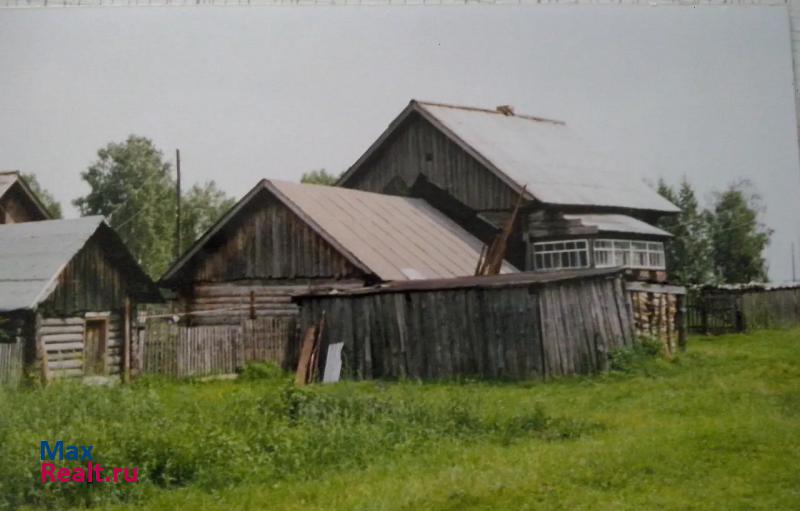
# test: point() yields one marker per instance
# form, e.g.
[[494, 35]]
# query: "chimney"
[[505, 109]]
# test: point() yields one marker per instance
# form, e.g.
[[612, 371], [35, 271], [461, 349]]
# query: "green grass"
[[717, 428]]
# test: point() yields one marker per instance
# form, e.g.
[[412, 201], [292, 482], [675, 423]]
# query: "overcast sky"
[[247, 93]]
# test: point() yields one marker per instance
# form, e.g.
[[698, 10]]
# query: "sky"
[[247, 93]]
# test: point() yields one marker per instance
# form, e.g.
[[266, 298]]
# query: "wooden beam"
[[126, 341]]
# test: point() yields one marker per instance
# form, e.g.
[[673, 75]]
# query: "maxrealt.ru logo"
[[91, 473]]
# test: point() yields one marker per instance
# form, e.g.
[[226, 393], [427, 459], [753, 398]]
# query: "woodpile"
[[655, 316]]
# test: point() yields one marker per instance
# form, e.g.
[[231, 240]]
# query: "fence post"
[[681, 321]]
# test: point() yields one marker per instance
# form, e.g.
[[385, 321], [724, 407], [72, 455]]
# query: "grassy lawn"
[[718, 428]]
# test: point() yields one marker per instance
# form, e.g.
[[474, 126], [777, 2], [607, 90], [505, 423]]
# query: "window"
[[560, 255], [631, 254]]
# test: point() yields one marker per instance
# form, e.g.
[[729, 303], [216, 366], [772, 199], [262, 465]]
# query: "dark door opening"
[[94, 347]]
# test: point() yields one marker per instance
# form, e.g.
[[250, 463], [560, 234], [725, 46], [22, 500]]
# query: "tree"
[[131, 185], [48, 201], [739, 238], [200, 208], [690, 251], [319, 177]]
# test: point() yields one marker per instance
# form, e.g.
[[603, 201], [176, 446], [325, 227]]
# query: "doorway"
[[94, 347]]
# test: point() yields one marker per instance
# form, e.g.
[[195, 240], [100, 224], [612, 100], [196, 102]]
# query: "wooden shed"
[[18, 203], [283, 239], [68, 289], [518, 326]]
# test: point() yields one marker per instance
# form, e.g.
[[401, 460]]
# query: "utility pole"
[[178, 203], [794, 277]]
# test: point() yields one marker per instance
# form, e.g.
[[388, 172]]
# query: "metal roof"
[[617, 223], [557, 166], [394, 238], [518, 279], [8, 178], [32, 255]]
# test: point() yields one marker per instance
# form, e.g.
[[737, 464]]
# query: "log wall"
[[63, 340], [230, 303], [517, 332]]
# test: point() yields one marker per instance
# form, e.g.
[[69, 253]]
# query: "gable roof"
[[393, 238], [9, 178], [556, 165], [33, 254]]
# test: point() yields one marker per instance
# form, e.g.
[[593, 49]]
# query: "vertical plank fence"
[[180, 351], [11, 362]]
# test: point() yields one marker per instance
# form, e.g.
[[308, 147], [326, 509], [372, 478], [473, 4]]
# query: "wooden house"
[[284, 238], [67, 292], [579, 210], [18, 203]]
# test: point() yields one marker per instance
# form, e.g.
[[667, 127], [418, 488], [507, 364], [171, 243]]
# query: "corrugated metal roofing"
[[397, 238], [617, 223], [557, 165], [483, 282], [32, 254]]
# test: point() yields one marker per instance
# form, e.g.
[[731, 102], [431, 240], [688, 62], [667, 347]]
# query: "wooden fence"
[[180, 351], [737, 309], [11, 362]]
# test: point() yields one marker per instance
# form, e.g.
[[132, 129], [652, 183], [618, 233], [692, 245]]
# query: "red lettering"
[[97, 476], [117, 472], [135, 477], [47, 471], [79, 475], [63, 475]]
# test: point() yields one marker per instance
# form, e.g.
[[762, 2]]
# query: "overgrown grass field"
[[716, 428]]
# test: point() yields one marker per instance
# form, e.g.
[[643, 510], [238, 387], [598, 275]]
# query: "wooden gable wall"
[[90, 282], [16, 207], [269, 242], [418, 147]]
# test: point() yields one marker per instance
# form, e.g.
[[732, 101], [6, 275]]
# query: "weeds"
[[259, 429]]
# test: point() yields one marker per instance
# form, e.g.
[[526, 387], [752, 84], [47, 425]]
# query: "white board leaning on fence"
[[333, 363]]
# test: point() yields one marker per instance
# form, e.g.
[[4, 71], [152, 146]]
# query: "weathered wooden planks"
[[528, 331], [181, 351]]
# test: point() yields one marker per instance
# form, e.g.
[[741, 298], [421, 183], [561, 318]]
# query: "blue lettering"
[[51, 454], [87, 452]]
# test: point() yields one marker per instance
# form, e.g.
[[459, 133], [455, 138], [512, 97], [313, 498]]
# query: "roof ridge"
[[490, 111]]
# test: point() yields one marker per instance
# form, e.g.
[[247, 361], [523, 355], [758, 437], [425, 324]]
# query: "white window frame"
[[548, 251], [629, 254]]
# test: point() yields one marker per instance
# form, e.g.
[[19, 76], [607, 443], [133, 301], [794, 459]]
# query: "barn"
[[283, 239], [18, 203], [68, 291]]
